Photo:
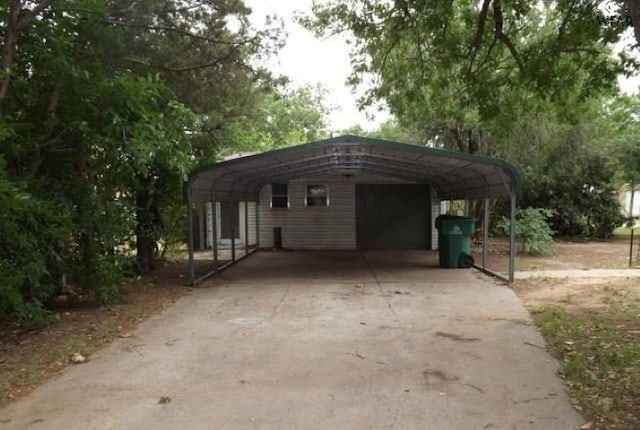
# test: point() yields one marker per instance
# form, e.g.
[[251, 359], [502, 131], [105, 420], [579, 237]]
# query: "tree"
[[388, 130], [105, 107], [284, 117], [294, 117], [516, 79], [459, 70]]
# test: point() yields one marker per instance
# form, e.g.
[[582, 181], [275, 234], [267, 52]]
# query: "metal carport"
[[453, 175]]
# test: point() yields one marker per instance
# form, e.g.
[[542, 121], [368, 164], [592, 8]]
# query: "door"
[[392, 216], [229, 216]]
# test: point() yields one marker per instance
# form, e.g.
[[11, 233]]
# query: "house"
[[347, 192], [624, 196]]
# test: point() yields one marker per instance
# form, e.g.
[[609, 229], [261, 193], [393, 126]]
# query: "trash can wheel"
[[465, 261]]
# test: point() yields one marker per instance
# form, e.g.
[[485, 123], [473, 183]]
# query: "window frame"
[[307, 196], [279, 195]]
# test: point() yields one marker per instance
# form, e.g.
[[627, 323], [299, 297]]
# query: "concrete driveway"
[[322, 340]]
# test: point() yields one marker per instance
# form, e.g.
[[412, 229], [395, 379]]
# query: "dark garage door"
[[392, 216]]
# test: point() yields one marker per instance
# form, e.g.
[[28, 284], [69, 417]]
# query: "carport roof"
[[454, 175]]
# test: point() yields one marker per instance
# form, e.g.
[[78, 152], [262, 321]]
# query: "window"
[[317, 195], [279, 196]]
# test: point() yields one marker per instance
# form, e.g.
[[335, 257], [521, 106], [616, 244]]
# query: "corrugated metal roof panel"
[[454, 175]]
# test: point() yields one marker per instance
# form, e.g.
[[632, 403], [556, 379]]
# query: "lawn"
[[593, 327]]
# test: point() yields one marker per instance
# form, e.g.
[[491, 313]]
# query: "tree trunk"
[[634, 12], [16, 21], [148, 228], [8, 48]]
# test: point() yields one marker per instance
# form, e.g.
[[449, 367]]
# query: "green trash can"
[[454, 241]]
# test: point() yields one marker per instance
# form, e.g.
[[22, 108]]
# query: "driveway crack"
[[277, 306], [382, 294]]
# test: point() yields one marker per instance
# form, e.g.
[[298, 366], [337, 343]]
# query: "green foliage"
[[532, 83], [33, 249], [284, 118], [580, 189], [532, 230], [461, 71], [104, 108], [389, 130]]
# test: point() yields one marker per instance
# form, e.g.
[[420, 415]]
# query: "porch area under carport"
[[446, 175]]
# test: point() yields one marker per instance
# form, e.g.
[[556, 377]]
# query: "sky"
[[308, 60]]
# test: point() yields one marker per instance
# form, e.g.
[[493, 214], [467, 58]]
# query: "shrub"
[[580, 190], [34, 235], [532, 230]]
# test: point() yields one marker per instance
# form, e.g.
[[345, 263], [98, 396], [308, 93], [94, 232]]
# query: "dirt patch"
[[611, 254], [578, 294], [31, 355]]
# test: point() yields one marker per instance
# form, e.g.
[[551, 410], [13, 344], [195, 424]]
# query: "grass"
[[599, 353], [623, 230]]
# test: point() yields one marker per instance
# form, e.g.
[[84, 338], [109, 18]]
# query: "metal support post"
[[233, 240], [631, 223], [192, 270], [246, 228], [257, 225], [485, 232], [214, 228], [512, 237]]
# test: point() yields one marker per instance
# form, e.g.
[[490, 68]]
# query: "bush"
[[34, 236], [580, 191], [532, 230]]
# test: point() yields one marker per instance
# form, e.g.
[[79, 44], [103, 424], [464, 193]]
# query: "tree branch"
[[183, 68], [167, 28], [29, 15], [502, 37], [474, 44]]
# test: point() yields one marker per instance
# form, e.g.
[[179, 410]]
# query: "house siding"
[[252, 223], [435, 212], [331, 227], [624, 195]]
